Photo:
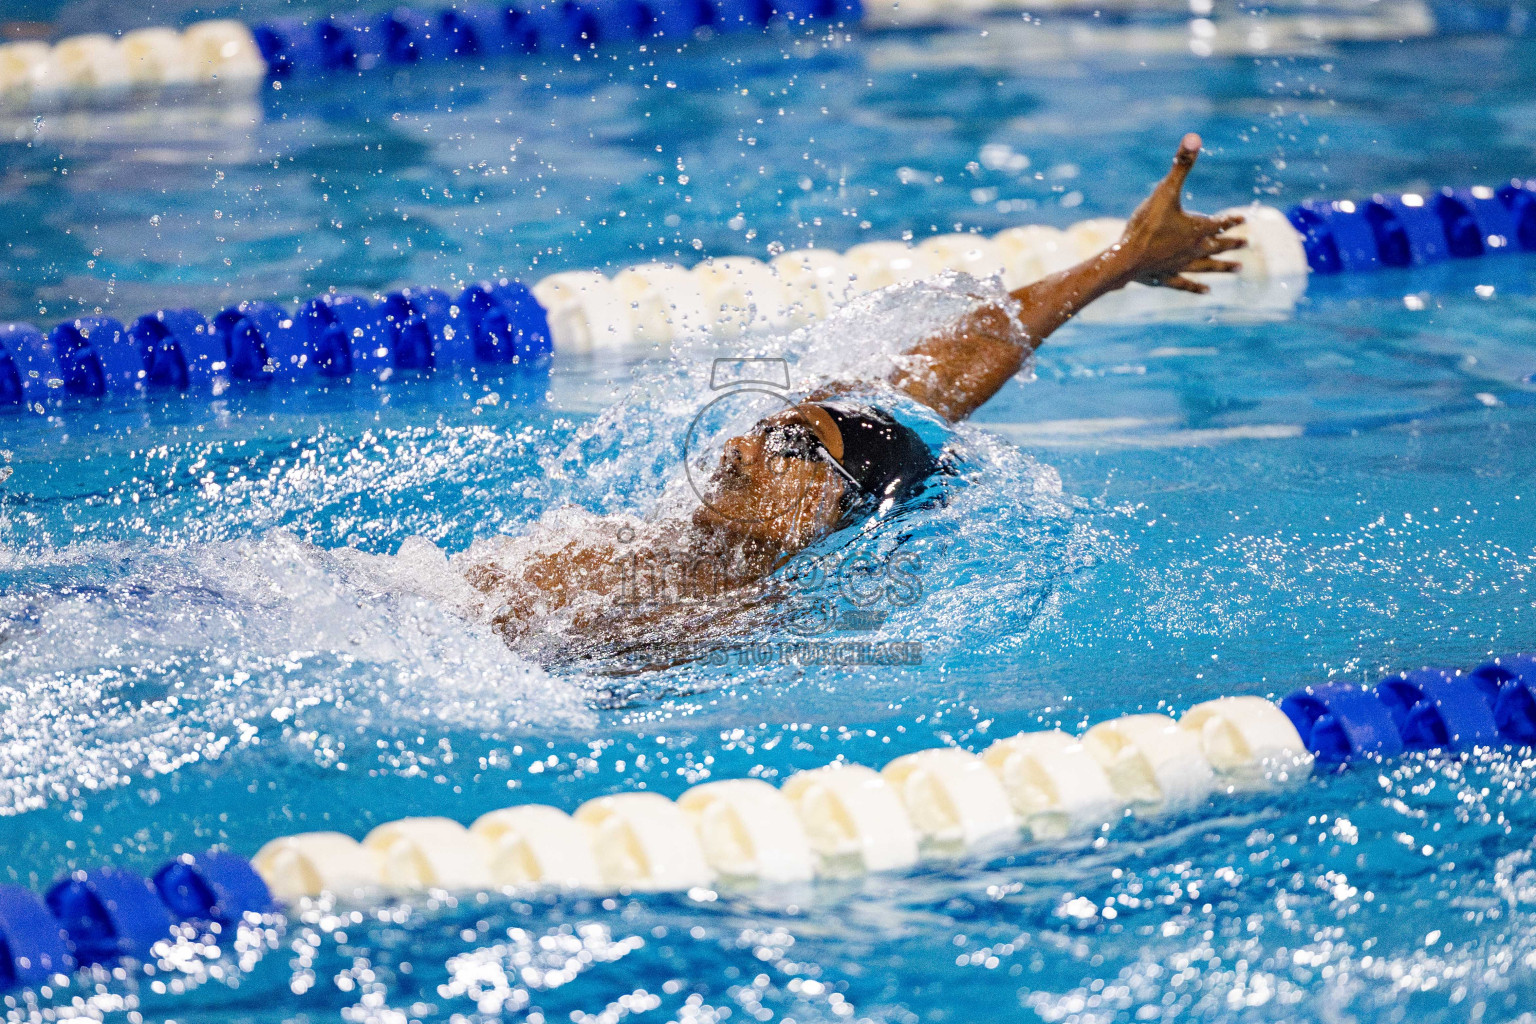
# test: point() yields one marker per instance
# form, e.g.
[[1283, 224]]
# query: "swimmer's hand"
[[956, 370], [1163, 243]]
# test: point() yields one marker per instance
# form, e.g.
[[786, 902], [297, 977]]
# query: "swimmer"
[[811, 470]]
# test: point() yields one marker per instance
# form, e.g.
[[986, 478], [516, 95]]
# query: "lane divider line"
[[339, 337], [834, 821], [95, 67]]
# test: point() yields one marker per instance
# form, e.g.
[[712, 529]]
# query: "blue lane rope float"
[[1434, 709], [405, 35], [217, 887], [110, 914], [27, 365], [1342, 722], [1410, 229], [93, 356], [33, 946], [254, 343], [176, 348], [834, 818], [1426, 709], [1512, 682]]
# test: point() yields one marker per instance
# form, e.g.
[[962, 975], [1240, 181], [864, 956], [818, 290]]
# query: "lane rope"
[[235, 58], [341, 338], [833, 821]]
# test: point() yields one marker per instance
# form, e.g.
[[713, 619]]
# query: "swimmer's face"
[[773, 490]]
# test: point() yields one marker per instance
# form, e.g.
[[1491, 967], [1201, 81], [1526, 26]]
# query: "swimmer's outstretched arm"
[[957, 372]]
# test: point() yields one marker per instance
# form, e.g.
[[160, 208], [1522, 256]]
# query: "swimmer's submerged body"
[[810, 470]]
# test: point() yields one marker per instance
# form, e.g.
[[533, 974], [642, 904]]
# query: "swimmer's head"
[[781, 481]]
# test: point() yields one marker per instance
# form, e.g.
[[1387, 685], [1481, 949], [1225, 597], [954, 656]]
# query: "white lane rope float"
[[832, 821], [657, 304]]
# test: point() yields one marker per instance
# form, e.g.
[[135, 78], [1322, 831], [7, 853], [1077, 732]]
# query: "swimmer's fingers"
[[1183, 284], [1209, 266], [1212, 229], [1165, 198], [1220, 243], [1171, 187]]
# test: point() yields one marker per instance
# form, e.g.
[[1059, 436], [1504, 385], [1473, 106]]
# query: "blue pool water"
[[1167, 512]]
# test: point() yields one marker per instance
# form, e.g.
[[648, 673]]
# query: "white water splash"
[[123, 663]]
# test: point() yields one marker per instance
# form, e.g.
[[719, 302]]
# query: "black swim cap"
[[883, 457]]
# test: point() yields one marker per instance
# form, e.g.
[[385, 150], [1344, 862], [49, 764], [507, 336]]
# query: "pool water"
[[1166, 512]]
